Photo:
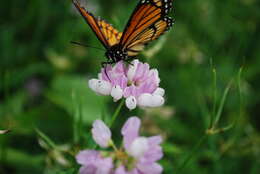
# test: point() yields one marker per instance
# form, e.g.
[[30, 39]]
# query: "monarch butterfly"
[[148, 21]]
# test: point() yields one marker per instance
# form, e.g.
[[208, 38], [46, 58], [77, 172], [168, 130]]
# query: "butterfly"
[[148, 22]]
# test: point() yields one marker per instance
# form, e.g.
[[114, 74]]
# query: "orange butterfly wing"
[[108, 35], [148, 21]]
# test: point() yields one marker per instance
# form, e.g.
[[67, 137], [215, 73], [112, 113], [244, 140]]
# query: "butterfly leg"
[[128, 60]]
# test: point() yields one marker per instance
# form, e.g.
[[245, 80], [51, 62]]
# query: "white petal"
[[157, 100], [145, 100], [138, 147], [131, 69], [131, 102], [149, 100], [92, 83], [100, 76], [103, 87], [117, 92], [159, 91]]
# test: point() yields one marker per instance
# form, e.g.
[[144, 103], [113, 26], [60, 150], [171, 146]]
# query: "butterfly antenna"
[[84, 45]]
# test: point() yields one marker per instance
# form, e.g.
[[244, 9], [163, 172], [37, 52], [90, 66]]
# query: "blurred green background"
[[213, 47]]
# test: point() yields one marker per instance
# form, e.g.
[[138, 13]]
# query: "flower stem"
[[113, 146], [116, 113]]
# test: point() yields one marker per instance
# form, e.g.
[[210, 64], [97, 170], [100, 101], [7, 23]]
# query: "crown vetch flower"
[[139, 155], [136, 82]]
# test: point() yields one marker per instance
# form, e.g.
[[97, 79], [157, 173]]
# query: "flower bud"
[[101, 133]]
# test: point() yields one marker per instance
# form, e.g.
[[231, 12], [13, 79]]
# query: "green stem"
[[116, 113]]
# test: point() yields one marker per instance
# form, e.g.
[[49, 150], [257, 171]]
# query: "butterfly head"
[[116, 54]]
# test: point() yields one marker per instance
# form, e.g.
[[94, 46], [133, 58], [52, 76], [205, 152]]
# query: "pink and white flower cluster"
[[136, 82], [137, 156]]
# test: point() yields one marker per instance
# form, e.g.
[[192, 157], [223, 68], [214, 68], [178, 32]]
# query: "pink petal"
[[101, 133], [155, 140], [105, 72], [130, 130], [154, 152], [87, 157], [131, 91], [104, 166], [153, 168], [120, 170], [88, 170]]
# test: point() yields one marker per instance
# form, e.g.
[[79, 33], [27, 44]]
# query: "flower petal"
[[145, 100], [101, 133], [117, 92], [148, 168], [132, 69], [87, 157], [155, 75], [159, 91], [88, 169], [103, 87], [149, 100], [100, 86], [92, 83], [130, 130], [154, 152], [104, 166], [155, 140], [138, 147], [131, 102], [156, 101], [120, 170]]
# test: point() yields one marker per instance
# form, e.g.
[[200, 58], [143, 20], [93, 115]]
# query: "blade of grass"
[[203, 107], [240, 92], [79, 127], [214, 96], [222, 102], [46, 138], [77, 119]]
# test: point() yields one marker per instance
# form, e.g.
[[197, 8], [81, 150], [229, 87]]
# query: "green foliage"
[[208, 64]]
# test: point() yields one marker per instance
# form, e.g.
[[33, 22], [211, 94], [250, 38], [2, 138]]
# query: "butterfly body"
[[148, 22], [116, 54]]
